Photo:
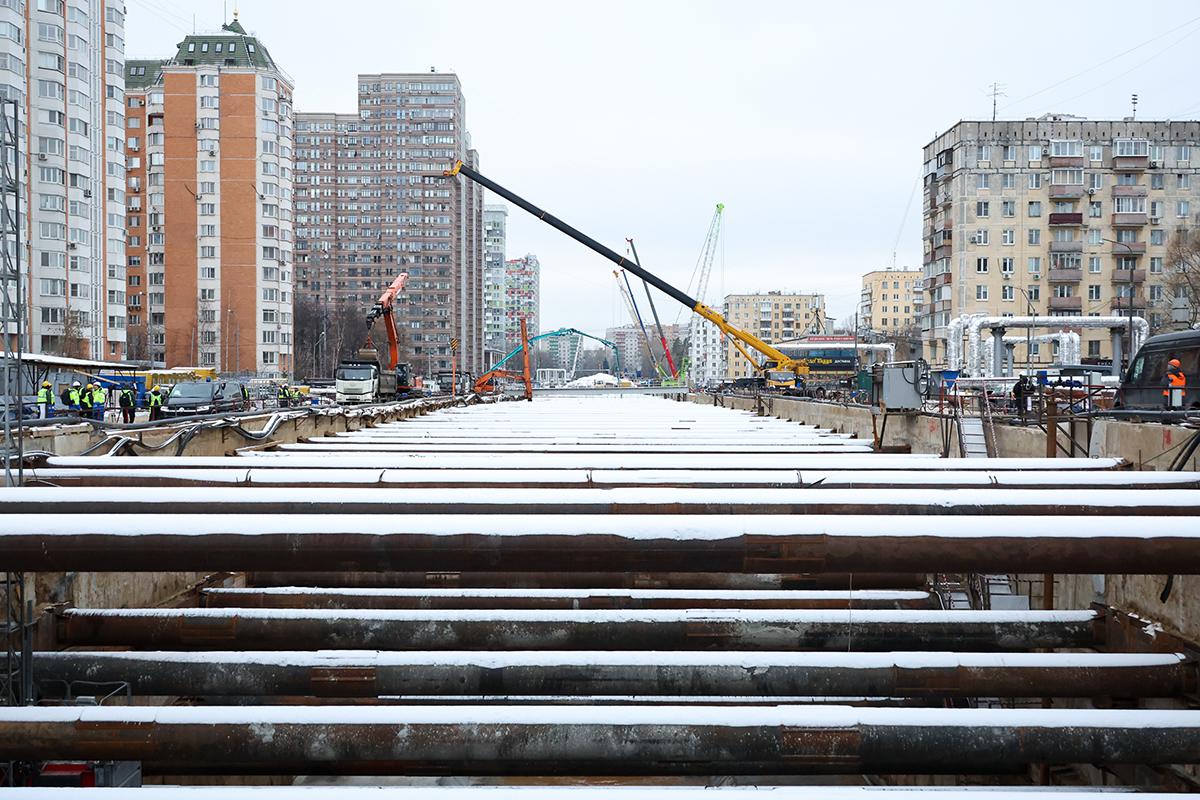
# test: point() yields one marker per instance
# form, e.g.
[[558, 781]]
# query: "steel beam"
[[820, 446], [297, 629], [580, 599], [557, 740], [570, 792], [1057, 503], [930, 676], [600, 543]]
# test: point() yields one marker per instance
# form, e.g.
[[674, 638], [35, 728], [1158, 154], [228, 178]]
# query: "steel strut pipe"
[[591, 580], [597, 674], [557, 599], [600, 543], [558, 740], [313, 629]]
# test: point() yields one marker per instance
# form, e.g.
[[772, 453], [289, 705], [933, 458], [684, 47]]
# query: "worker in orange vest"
[[1175, 379]]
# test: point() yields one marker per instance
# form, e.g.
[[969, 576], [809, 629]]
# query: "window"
[[1127, 179], [1035, 208], [1093, 291], [1096, 153], [1009, 208], [1035, 236], [1007, 265], [1129, 205], [1095, 208], [981, 292], [1094, 236], [981, 265], [54, 287], [982, 208], [1183, 180], [1183, 153], [1066, 147], [208, 230], [50, 33], [981, 237], [1064, 290], [208, 272], [1131, 148], [1094, 264], [1095, 180], [209, 101], [208, 251], [1035, 152], [1035, 180], [1008, 180], [1034, 265], [52, 230], [1156, 265], [1008, 236], [1156, 293], [1183, 208], [1158, 236], [1007, 292], [982, 180], [208, 166], [1156, 180], [50, 89], [208, 209], [1066, 177]]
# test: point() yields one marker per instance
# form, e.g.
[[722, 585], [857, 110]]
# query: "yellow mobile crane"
[[778, 369]]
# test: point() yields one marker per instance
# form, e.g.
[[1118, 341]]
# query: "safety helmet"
[[46, 384], [1174, 362], [156, 389], [75, 384], [89, 386]]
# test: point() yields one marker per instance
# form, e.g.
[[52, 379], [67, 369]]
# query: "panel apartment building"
[[371, 202], [891, 300], [1055, 216], [495, 226], [63, 63], [522, 298], [210, 206], [772, 317]]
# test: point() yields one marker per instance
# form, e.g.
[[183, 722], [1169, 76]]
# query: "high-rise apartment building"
[[210, 206], [371, 202], [62, 62], [1055, 216], [522, 290], [495, 221], [891, 301], [773, 317], [628, 341], [706, 352]]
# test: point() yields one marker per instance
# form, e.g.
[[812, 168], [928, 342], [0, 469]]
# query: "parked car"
[[205, 397]]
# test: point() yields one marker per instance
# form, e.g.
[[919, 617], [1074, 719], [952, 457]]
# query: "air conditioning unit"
[[72, 246], [199, 198], [1155, 220], [1155, 164], [158, 227], [1091, 190], [87, 192], [41, 156], [1045, 151], [974, 240], [212, 152]]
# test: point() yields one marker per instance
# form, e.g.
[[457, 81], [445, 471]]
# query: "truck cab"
[[356, 382]]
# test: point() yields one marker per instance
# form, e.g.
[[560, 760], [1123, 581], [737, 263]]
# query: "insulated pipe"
[[716, 451], [1141, 329], [579, 599], [781, 544], [591, 580], [455, 508], [728, 629], [954, 336], [486, 791], [585, 674], [605, 740], [1068, 343]]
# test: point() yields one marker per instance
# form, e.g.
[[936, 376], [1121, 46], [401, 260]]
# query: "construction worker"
[[99, 400], [86, 399], [1175, 385], [296, 398], [45, 400], [284, 396], [74, 396], [128, 402], [154, 401]]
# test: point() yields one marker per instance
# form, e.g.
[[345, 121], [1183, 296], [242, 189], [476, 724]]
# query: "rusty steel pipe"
[[297, 629], [558, 740], [925, 675], [581, 599], [599, 543], [590, 580]]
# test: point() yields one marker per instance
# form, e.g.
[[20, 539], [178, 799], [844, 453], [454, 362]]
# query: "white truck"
[[363, 380]]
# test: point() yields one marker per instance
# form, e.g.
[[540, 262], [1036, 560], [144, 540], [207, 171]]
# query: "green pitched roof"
[[142, 74], [231, 48]]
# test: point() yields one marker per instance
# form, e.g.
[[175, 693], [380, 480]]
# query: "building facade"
[[1055, 216], [891, 300], [62, 64], [495, 223], [210, 206], [371, 202], [706, 352], [773, 317], [522, 297]]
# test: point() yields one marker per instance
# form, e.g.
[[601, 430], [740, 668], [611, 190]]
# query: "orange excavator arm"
[[383, 308]]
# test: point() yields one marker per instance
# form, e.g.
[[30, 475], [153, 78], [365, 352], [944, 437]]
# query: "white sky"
[[634, 118]]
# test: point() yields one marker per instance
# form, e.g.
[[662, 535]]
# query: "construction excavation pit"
[[597, 596]]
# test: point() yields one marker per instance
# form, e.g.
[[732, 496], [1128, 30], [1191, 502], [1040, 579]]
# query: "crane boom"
[[776, 360], [383, 308], [662, 337], [564, 332], [635, 315]]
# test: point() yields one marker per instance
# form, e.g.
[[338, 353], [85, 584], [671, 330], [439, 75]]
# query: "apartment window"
[[1035, 236], [1066, 147], [1034, 292], [981, 237], [1008, 180], [1156, 293], [1096, 153], [1128, 148], [1093, 291], [1095, 208], [1007, 265], [208, 251], [1183, 180], [1183, 153], [1095, 180], [1129, 205], [1035, 152], [1007, 292], [1035, 208], [54, 287], [1094, 264], [1009, 152], [52, 230], [1008, 236], [1064, 290], [207, 187], [50, 33], [268, 356], [1094, 236], [1066, 177], [981, 265], [981, 292], [208, 209], [1035, 180], [1034, 264], [208, 230], [1183, 208], [1127, 179], [208, 166], [50, 89], [1156, 180], [1158, 236], [209, 101], [982, 208], [208, 272], [1009, 208], [1156, 265], [982, 180]]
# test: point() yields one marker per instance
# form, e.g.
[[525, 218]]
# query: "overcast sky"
[[805, 119]]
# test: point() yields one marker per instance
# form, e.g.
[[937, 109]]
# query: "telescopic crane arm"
[[662, 337], [741, 339], [383, 308]]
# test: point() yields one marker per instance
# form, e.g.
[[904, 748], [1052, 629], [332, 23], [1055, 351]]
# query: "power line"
[[153, 10]]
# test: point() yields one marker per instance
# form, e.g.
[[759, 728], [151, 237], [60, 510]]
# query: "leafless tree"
[[1181, 278]]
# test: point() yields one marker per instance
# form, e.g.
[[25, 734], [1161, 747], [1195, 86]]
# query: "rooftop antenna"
[[996, 90], [1133, 101]]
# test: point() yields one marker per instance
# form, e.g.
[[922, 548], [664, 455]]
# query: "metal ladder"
[[974, 439]]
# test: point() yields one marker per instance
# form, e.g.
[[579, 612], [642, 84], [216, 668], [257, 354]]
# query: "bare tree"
[[1181, 278], [72, 343], [137, 344]]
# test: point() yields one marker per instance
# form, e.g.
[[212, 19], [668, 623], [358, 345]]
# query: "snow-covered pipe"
[[1141, 329], [954, 340], [1068, 347]]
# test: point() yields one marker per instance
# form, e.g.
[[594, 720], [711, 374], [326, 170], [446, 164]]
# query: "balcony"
[[1129, 191], [1066, 247], [1067, 161], [1131, 163], [1128, 248], [1130, 220], [1066, 191], [1128, 276], [1066, 303], [1065, 275], [1069, 218]]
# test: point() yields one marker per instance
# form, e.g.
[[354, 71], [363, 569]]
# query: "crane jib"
[[578, 236]]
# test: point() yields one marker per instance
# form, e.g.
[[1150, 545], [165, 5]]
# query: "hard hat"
[[1174, 362], [89, 386], [46, 383], [76, 383], [156, 389]]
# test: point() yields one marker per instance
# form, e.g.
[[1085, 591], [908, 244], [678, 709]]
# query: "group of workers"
[[288, 396], [90, 401]]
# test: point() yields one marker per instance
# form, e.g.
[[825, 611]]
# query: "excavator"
[[778, 370], [363, 379], [488, 382]]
